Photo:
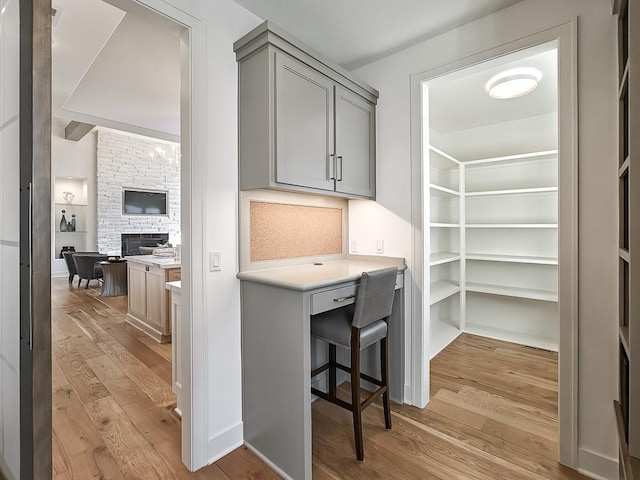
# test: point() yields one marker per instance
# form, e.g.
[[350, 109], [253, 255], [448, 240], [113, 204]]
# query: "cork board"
[[281, 231]]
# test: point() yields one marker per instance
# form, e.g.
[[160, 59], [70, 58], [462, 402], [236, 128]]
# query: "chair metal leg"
[[384, 365], [87, 286], [355, 392], [70, 278], [332, 370], [79, 281]]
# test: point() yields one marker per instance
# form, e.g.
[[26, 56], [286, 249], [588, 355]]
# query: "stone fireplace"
[[125, 162]]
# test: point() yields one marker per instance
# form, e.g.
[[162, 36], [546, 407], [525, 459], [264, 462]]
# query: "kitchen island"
[[148, 298], [175, 315], [278, 353]]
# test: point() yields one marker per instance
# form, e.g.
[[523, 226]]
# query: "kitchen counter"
[[311, 276], [174, 286], [150, 260]]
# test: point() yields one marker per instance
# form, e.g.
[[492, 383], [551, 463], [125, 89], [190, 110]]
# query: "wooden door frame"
[[417, 393]]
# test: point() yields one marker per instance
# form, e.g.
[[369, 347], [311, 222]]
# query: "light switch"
[[379, 246], [215, 260], [354, 245]]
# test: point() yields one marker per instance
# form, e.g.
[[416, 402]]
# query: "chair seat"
[[334, 327]]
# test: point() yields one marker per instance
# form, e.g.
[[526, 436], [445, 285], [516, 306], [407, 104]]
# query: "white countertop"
[[174, 286], [154, 261], [311, 276]]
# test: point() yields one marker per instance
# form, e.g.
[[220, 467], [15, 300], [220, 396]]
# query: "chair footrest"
[[332, 399], [344, 368]]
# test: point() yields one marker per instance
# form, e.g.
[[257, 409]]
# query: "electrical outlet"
[[354, 246], [379, 246]]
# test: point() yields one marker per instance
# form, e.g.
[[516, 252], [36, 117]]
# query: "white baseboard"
[[408, 394], [595, 465], [225, 442], [58, 268], [267, 461]]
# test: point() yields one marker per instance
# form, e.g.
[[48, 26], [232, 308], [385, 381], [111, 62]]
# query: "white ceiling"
[[116, 69], [83, 28], [460, 102], [121, 70], [353, 32]]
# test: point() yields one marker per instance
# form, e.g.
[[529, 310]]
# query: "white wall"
[[74, 159], [214, 211], [124, 161], [390, 218]]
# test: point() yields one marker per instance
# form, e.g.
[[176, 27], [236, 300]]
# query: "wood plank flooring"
[[113, 406], [492, 415]]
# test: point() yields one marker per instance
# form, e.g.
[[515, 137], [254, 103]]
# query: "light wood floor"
[[492, 415], [112, 401]]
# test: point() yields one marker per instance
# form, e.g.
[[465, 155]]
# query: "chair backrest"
[[85, 263], [375, 296], [68, 259]]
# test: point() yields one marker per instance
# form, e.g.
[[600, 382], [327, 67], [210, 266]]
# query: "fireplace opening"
[[130, 243]]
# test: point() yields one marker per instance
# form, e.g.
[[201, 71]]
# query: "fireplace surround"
[[131, 242]]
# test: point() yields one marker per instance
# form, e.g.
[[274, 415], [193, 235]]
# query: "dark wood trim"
[[35, 239], [629, 466]]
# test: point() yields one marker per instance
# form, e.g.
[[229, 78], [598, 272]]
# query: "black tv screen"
[[144, 202]]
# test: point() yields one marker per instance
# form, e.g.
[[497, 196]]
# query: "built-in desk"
[[277, 353]]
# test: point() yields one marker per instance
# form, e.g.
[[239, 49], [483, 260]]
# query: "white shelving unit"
[[70, 195], [494, 248], [446, 267]]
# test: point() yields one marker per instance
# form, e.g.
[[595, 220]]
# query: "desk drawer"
[[339, 297], [324, 301]]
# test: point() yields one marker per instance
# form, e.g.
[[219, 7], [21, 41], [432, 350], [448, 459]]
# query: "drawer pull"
[[342, 299]]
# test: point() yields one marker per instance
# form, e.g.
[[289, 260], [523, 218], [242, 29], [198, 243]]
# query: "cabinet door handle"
[[339, 159], [332, 167], [146, 268], [342, 299]]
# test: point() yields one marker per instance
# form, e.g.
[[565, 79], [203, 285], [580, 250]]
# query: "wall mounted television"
[[144, 202]]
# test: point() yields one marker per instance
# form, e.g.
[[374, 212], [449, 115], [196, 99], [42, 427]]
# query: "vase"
[[69, 227], [73, 222], [63, 222]]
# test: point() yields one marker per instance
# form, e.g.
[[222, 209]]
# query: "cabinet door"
[[157, 300], [304, 125], [137, 285], [355, 144]]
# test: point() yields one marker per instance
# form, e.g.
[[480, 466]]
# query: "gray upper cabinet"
[[355, 144], [305, 125], [304, 111]]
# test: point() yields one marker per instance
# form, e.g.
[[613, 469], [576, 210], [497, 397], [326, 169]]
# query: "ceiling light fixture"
[[513, 83]]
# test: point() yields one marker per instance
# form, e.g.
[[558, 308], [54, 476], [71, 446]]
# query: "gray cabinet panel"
[[297, 114], [304, 125], [355, 144]]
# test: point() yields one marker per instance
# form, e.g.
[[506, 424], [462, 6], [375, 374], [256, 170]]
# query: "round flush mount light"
[[513, 83]]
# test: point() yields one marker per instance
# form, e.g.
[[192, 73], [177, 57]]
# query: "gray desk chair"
[[357, 328], [71, 266], [88, 267]]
